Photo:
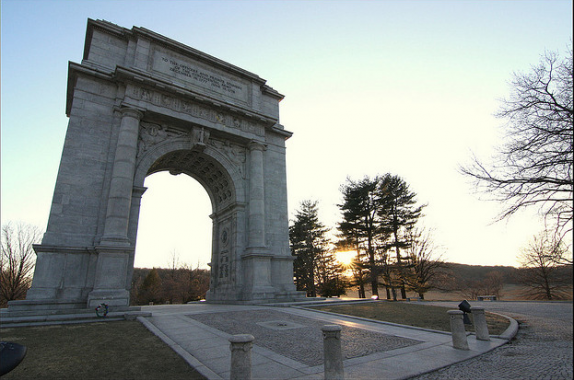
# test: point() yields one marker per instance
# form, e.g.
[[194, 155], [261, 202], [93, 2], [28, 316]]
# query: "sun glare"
[[346, 257]]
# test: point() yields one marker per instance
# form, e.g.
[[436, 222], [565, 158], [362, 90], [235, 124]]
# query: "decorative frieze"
[[211, 114]]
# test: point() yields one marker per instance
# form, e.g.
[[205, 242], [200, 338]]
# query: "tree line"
[[176, 285], [400, 256], [532, 169], [380, 215], [379, 222], [545, 272]]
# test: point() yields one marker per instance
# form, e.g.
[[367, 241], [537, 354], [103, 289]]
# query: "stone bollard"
[[480, 326], [457, 328], [241, 356], [332, 352]]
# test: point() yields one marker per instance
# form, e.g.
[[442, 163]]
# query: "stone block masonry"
[[140, 103]]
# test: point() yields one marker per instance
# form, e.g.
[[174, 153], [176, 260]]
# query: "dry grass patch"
[[429, 317], [104, 350]]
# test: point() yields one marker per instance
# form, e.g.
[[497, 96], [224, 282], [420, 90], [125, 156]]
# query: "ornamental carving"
[[217, 116], [152, 134], [235, 153], [224, 258], [205, 169]]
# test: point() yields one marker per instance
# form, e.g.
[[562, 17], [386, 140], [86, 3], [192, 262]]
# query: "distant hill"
[[478, 272]]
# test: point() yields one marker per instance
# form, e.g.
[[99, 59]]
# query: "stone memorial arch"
[[140, 103]]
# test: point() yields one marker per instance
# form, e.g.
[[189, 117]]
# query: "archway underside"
[[204, 169]]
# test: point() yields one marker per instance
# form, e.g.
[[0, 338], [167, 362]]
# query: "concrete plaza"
[[288, 342]]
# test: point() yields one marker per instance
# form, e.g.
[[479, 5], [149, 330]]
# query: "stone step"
[[8, 320]]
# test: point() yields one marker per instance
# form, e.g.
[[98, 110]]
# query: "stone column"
[[480, 326], [256, 213], [256, 259], [332, 353], [241, 356], [120, 195], [457, 329]]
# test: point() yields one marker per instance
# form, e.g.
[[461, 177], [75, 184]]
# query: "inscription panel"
[[187, 70]]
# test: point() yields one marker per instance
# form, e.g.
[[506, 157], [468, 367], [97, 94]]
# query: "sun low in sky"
[[346, 258]]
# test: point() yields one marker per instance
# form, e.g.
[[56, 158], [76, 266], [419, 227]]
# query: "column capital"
[[138, 191], [256, 145], [131, 112]]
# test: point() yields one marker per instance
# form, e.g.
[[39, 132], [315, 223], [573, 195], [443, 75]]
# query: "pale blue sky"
[[406, 87]]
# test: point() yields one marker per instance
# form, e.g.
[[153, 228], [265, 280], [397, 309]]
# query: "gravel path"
[[542, 348]]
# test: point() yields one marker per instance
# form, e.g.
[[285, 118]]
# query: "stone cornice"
[[75, 69], [282, 132], [272, 92], [63, 249], [130, 75], [104, 26]]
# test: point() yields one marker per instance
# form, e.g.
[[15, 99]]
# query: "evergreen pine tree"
[[309, 245], [150, 288], [360, 227], [398, 214]]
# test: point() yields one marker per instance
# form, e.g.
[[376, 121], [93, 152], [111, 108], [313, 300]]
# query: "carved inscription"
[[202, 77]]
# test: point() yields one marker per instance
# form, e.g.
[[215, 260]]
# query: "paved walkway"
[[288, 342], [542, 348]]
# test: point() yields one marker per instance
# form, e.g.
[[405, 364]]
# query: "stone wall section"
[[77, 197]]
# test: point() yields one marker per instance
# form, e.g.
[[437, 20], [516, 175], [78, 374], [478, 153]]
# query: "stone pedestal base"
[[45, 305], [115, 299]]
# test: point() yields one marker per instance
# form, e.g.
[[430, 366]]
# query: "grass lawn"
[[103, 350], [430, 317]]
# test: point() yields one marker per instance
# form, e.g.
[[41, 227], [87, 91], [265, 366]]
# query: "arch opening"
[[174, 223], [210, 178]]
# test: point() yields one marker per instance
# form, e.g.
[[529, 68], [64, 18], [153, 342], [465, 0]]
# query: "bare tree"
[[541, 271], [493, 284], [173, 263], [534, 166], [424, 261], [17, 260]]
